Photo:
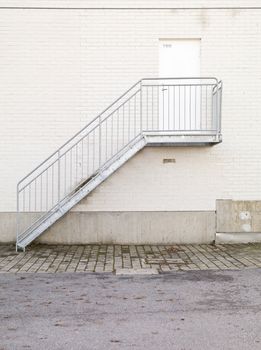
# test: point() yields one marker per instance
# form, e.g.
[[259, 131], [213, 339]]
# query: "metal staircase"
[[153, 112]]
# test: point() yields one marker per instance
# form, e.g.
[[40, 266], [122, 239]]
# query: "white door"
[[179, 100]]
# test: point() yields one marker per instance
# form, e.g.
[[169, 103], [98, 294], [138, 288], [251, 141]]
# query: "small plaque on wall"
[[169, 160]]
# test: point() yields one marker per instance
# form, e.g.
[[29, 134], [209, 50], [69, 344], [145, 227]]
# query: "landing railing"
[[168, 105]]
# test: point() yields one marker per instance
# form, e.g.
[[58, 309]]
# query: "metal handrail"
[[97, 117], [182, 78], [145, 106]]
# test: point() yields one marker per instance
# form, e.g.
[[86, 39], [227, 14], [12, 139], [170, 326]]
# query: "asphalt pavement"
[[173, 310]]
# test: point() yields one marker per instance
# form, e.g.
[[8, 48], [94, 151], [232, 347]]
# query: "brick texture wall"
[[60, 67]]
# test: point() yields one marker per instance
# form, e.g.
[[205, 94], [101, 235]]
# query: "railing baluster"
[[29, 198], [201, 112], [212, 109], [52, 185], [158, 106], [220, 104], [76, 162], [206, 114], [147, 106], [163, 106], [179, 110], [129, 121], [23, 201], [88, 156], [41, 201], [93, 150], [106, 140], [135, 116], [123, 121], [152, 107], [168, 127], [18, 215], [47, 190], [140, 106], [184, 98], [174, 107], [71, 175], [195, 125], [65, 172], [112, 124], [117, 141], [190, 116], [59, 178], [82, 158], [35, 195]]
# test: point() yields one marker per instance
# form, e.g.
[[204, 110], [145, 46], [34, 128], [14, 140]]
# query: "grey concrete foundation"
[[233, 222], [123, 228], [238, 216], [238, 221], [238, 237]]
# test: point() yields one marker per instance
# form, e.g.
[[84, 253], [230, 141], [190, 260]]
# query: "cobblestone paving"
[[108, 258]]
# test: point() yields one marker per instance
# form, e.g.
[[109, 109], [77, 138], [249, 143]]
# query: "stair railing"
[[167, 105]]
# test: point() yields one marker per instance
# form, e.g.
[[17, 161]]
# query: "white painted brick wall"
[[59, 68]]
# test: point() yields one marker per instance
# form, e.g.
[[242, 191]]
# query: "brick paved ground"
[[108, 258]]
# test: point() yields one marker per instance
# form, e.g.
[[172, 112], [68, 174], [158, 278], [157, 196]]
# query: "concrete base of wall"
[[123, 228], [7, 227], [233, 222], [238, 221], [239, 237], [238, 216]]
